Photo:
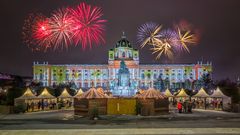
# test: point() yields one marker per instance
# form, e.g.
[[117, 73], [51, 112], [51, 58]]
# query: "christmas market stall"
[[152, 102], [182, 96], [65, 99], [79, 93], [28, 100], [219, 101], [169, 95], [100, 89], [171, 98], [90, 103], [201, 99], [47, 101]]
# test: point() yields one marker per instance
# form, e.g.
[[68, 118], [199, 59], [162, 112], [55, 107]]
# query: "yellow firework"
[[186, 38], [152, 34], [162, 48]]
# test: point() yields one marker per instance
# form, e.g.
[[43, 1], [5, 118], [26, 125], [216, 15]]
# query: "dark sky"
[[219, 22]]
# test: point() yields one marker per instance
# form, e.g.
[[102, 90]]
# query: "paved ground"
[[199, 122]]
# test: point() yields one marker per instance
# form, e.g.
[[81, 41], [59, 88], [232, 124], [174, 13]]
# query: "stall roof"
[[218, 93], [65, 94], [182, 93], [28, 94], [93, 93], [168, 93], [45, 94], [201, 93], [151, 93], [100, 89], [79, 93], [141, 91]]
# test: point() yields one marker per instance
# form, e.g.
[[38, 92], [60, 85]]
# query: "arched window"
[[123, 54]]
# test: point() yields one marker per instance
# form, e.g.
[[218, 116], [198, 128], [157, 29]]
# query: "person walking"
[[190, 106], [32, 106], [185, 106], [179, 107], [39, 105]]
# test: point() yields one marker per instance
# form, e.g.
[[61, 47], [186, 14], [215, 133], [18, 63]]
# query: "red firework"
[[34, 34], [82, 25], [41, 33], [88, 27], [60, 25]]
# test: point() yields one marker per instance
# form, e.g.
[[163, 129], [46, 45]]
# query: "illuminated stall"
[[65, 98], [28, 100], [90, 101], [182, 95], [47, 101], [201, 99], [169, 95], [79, 93], [220, 101], [152, 102]]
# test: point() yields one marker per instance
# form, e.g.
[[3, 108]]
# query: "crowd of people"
[[186, 106], [46, 105]]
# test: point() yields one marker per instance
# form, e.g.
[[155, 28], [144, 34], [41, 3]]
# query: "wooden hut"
[[100, 90], [89, 101], [152, 102]]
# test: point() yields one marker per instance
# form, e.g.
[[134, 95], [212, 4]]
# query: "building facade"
[[123, 74]]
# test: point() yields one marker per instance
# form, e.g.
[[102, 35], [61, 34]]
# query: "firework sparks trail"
[[167, 41], [162, 48], [61, 29], [148, 34], [88, 25], [82, 25], [35, 32], [186, 38]]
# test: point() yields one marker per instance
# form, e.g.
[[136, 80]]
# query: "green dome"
[[123, 43]]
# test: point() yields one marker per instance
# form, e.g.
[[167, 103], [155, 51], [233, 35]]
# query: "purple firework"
[[171, 36], [148, 33]]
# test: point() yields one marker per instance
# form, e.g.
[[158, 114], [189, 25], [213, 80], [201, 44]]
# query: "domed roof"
[[123, 42]]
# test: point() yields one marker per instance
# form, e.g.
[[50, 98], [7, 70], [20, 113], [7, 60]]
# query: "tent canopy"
[[151, 93], [100, 89], [141, 91], [182, 93], [168, 93], [93, 93], [79, 93], [28, 94], [65, 94], [45, 94], [201, 93], [218, 93]]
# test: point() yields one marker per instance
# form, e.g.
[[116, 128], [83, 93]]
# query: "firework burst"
[[148, 34], [167, 41], [186, 38], [88, 25], [61, 24], [82, 25], [162, 48], [33, 31]]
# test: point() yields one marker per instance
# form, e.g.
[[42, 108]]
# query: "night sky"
[[218, 21]]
